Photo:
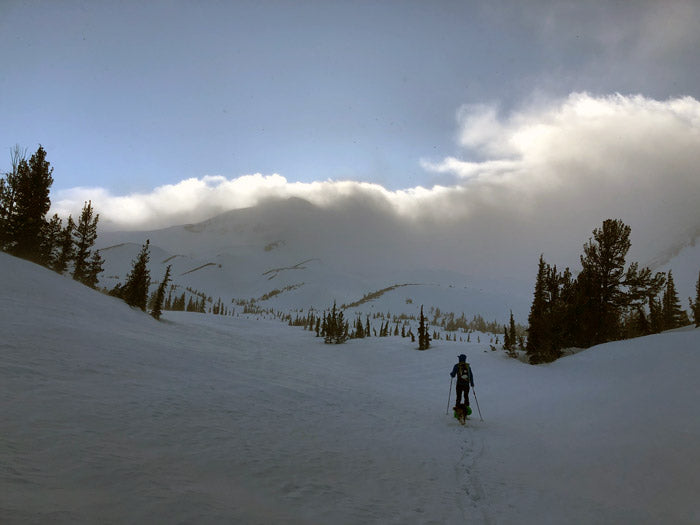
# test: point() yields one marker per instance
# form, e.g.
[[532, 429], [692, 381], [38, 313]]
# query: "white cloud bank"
[[546, 176]]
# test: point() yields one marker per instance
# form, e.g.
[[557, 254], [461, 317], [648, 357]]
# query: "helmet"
[[462, 358]]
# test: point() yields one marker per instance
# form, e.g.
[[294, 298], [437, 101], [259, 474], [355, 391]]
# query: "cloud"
[[536, 180], [190, 200], [581, 160]]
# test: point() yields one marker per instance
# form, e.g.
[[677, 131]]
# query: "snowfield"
[[109, 416]]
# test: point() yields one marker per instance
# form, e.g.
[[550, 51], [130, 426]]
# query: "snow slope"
[[109, 416]]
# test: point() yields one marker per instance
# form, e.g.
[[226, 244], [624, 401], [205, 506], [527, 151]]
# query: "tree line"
[[26, 232], [608, 300], [134, 291]]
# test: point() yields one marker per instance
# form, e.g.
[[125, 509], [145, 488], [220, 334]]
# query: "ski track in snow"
[[111, 417]]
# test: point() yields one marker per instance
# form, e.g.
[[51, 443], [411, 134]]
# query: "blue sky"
[[131, 95], [491, 114]]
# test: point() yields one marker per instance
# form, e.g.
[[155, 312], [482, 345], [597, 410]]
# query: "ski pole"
[[477, 404], [449, 393]]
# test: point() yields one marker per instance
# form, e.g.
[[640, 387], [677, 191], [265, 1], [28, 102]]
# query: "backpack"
[[463, 371]]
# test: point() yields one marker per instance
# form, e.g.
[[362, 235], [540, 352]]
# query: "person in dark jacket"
[[465, 378]]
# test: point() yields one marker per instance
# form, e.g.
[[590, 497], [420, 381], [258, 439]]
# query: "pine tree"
[[181, 303], [566, 315], [94, 268], [641, 322], [341, 334], [607, 289], [84, 236], [656, 318], [65, 247], [8, 192], [30, 205], [50, 239], [157, 309], [603, 264], [539, 332], [330, 327], [335, 328], [695, 306], [423, 334], [671, 306], [359, 328], [6, 205], [135, 291], [509, 339], [324, 327]]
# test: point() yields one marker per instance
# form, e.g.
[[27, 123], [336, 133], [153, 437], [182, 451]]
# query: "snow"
[[110, 416]]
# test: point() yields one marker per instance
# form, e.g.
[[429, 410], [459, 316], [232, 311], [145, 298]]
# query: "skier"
[[464, 378]]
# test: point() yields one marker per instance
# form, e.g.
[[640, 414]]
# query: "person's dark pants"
[[463, 389]]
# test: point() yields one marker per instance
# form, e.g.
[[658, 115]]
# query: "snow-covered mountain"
[[110, 416], [291, 254]]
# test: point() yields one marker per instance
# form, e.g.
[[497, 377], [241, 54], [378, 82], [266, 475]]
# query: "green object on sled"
[[469, 411]]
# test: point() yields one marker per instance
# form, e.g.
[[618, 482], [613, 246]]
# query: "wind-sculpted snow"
[[109, 416]]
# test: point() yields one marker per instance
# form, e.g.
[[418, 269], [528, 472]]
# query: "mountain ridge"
[[349, 258]]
